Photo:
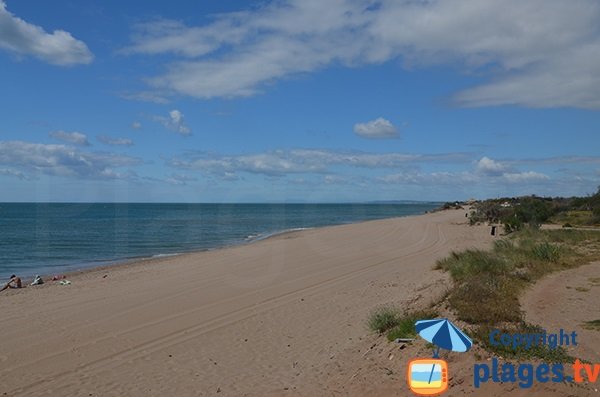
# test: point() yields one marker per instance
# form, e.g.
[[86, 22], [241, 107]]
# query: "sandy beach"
[[283, 316]]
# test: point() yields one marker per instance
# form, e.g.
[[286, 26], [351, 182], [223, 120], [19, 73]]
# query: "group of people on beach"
[[14, 282]]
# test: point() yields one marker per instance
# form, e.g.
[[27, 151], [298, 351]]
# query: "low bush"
[[546, 252], [383, 319], [406, 324]]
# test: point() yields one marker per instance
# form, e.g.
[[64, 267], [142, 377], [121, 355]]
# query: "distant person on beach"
[[14, 282]]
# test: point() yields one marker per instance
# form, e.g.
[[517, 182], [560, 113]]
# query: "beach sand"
[[283, 316], [568, 300]]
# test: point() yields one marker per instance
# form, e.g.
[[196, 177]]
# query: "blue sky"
[[298, 100]]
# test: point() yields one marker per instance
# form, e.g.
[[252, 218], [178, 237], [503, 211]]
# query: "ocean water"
[[50, 238]]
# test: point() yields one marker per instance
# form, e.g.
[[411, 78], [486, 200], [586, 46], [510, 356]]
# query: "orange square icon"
[[427, 376]]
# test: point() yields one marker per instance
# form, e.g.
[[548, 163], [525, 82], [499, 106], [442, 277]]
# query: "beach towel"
[[64, 282]]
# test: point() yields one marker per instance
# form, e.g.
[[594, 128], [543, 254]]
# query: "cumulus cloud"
[[22, 38], [114, 141], [487, 166], [136, 125], [379, 128], [62, 160], [239, 53], [76, 138], [174, 122]]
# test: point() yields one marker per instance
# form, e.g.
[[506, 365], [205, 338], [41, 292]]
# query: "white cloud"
[[485, 171], [558, 160], [62, 160], [145, 96], [13, 173], [136, 125], [173, 179], [114, 141], [376, 129], [297, 161], [463, 178], [180, 179], [434, 178], [175, 122], [543, 53], [22, 38], [173, 36], [76, 138], [488, 166], [523, 177]]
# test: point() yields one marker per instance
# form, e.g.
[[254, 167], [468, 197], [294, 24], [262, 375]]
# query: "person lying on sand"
[[14, 282]]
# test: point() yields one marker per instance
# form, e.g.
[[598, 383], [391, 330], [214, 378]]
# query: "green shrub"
[[534, 210], [593, 325], [477, 300], [383, 319], [503, 245], [471, 263], [512, 225], [406, 324], [546, 252]]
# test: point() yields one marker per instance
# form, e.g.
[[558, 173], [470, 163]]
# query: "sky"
[[298, 100]]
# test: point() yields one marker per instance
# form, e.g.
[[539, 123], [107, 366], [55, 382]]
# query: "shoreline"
[[284, 313], [107, 238], [115, 263], [144, 260]]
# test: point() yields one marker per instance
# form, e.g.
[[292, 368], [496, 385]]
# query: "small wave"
[[279, 233], [165, 255]]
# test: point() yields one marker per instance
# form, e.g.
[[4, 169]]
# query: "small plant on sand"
[[593, 325], [394, 324], [472, 263], [383, 319], [406, 324], [546, 251]]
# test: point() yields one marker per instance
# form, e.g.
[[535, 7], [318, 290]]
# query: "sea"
[[53, 238]]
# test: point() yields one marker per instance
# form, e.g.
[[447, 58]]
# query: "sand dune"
[[268, 318]]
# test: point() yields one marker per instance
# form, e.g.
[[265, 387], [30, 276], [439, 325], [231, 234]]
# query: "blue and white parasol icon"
[[443, 334]]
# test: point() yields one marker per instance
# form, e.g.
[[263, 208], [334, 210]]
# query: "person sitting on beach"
[[14, 282]]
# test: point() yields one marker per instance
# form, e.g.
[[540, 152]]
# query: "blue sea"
[[50, 238]]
